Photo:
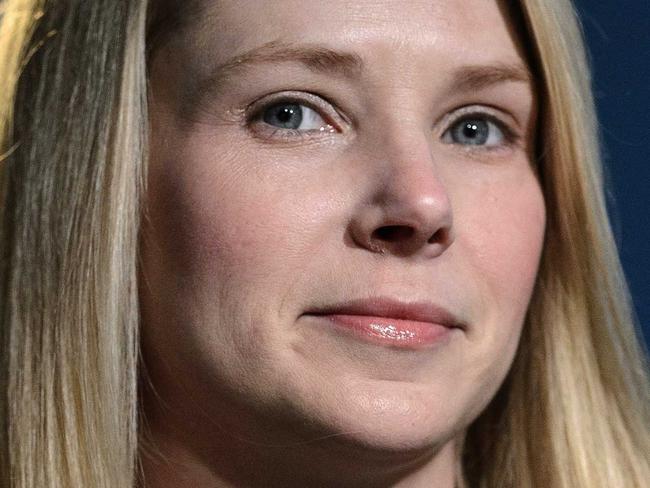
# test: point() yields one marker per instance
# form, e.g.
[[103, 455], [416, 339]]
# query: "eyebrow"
[[315, 57], [324, 60], [475, 78]]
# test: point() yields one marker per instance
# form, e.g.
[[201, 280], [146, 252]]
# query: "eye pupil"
[[285, 116], [471, 132]]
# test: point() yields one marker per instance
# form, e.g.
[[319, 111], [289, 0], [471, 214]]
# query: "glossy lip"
[[394, 309], [390, 322]]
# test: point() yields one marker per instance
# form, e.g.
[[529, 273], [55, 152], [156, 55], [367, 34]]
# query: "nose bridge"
[[410, 211], [411, 182]]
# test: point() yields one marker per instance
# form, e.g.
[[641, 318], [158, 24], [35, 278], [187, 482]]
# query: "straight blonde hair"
[[73, 120], [573, 412]]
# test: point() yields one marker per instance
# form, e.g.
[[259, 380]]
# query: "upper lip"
[[394, 309]]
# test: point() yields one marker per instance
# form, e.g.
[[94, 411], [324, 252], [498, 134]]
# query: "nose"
[[408, 212]]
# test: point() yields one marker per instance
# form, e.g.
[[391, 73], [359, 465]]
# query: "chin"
[[389, 417], [401, 439]]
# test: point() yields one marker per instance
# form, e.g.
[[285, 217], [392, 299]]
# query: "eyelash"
[[256, 111], [510, 135]]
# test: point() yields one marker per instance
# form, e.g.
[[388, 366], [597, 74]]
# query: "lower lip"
[[399, 333]]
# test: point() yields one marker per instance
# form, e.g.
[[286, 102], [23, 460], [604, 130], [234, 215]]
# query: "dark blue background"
[[618, 39]]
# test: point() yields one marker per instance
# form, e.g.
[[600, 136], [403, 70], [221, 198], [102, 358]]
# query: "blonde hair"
[[71, 179], [573, 412]]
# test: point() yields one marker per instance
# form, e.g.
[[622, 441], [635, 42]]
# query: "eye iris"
[[285, 116], [474, 132]]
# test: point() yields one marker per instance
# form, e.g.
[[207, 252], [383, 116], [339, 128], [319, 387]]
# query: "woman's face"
[[344, 220]]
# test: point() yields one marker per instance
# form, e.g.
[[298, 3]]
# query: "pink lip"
[[391, 322]]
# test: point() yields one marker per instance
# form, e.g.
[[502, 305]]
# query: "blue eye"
[[475, 131], [293, 116]]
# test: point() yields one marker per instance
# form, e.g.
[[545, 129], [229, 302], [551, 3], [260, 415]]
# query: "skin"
[[250, 227]]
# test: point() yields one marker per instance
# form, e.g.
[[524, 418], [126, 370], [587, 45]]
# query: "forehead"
[[456, 31]]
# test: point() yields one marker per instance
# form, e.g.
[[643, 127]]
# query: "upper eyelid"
[[311, 100], [494, 114]]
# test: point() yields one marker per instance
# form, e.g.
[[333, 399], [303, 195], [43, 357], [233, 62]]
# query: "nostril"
[[393, 233], [441, 235]]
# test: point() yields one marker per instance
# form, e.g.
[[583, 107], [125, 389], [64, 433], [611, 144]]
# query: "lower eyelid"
[[270, 133]]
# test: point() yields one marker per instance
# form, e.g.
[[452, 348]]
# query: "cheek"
[[229, 219], [505, 223], [246, 231], [500, 237], [514, 242]]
